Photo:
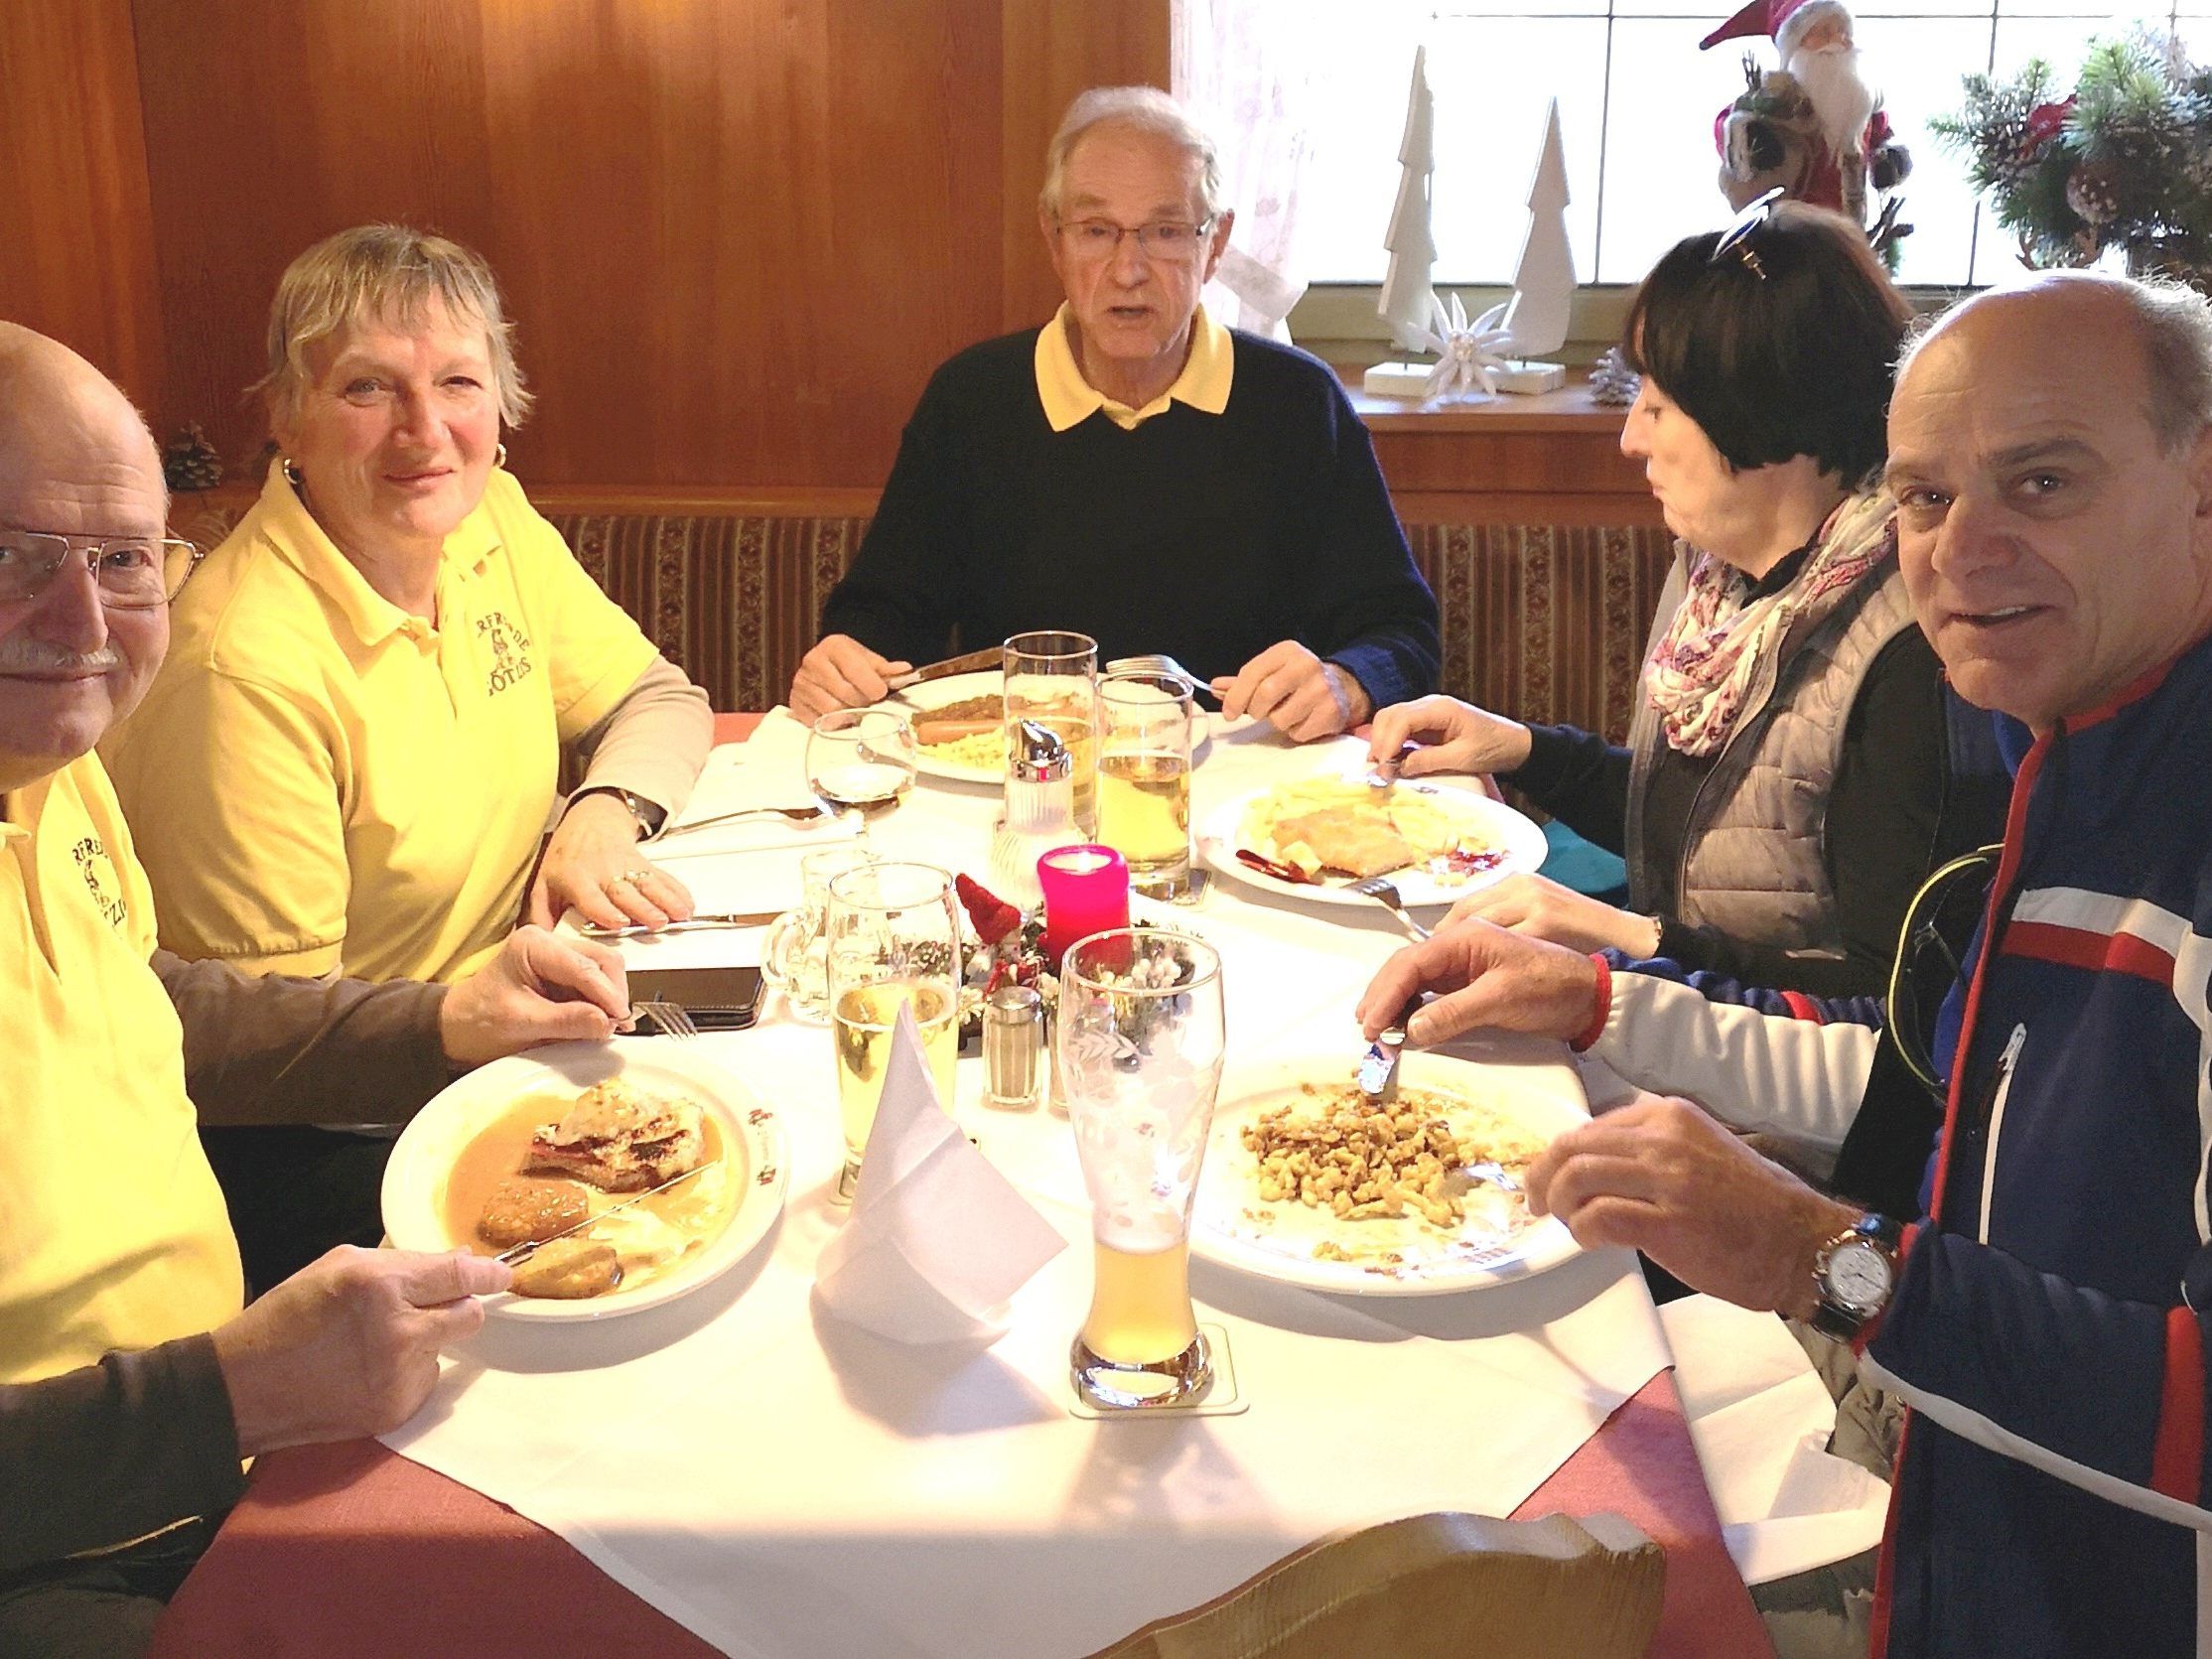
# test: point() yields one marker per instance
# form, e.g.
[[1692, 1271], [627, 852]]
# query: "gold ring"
[[634, 877]]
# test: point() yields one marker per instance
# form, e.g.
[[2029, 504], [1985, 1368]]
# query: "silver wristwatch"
[[650, 815], [1854, 1276]]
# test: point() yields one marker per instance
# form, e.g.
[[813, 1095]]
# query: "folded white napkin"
[[1760, 1419], [938, 1240], [767, 770]]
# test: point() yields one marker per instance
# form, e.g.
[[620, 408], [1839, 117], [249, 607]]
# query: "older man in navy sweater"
[[1137, 472]]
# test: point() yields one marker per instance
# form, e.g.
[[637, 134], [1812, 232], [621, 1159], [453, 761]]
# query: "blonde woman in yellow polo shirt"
[[354, 748]]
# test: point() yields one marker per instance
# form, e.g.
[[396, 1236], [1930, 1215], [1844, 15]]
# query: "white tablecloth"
[[785, 1486]]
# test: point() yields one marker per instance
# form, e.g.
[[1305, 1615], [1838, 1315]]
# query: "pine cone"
[[189, 462], [1612, 381], [2093, 190]]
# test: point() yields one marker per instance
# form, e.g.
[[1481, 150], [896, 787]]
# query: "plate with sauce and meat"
[[531, 1146]]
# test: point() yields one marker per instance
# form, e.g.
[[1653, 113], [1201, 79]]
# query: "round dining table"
[[754, 1478]]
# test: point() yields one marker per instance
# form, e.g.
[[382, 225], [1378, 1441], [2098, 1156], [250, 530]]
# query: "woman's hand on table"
[[593, 866], [1452, 736], [1484, 978], [1544, 910], [1300, 695], [540, 988], [840, 673], [348, 1346], [1662, 1176]]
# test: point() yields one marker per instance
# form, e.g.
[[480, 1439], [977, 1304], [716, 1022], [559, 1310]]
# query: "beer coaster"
[[1222, 1397]]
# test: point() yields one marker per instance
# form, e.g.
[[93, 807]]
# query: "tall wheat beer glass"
[[1140, 1055]]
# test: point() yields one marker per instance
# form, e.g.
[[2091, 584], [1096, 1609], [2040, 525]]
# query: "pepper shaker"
[[1013, 1046]]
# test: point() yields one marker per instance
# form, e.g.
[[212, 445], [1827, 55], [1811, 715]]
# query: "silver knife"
[[1378, 1068], [970, 662], [638, 930], [529, 1247]]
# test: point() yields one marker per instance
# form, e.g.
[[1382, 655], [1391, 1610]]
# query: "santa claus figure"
[[1812, 126]]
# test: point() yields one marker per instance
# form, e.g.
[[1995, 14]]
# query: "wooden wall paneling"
[[79, 263], [1055, 48], [736, 235], [268, 127]]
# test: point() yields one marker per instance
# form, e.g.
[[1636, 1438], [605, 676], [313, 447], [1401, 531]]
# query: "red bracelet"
[[1590, 1032]]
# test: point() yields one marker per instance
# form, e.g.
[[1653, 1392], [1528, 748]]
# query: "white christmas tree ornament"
[[1406, 292], [1543, 281]]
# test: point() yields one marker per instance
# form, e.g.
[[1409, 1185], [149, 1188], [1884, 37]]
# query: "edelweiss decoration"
[[1469, 352]]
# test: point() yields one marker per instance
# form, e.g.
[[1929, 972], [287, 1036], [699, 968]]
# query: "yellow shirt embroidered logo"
[[98, 871], [510, 652]]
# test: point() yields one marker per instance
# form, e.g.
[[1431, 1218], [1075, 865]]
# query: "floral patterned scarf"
[[1701, 673]]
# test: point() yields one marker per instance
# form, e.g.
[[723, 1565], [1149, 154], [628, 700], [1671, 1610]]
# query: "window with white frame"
[[1638, 101]]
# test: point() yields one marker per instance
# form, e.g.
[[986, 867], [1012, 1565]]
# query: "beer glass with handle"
[[1052, 677], [1140, 1055], [892, 932]]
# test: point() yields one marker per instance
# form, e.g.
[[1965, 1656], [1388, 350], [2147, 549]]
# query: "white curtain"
[[1245, 70]]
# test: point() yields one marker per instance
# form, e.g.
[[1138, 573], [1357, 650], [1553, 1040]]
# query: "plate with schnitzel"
[[1315, 837], [658, 1170]]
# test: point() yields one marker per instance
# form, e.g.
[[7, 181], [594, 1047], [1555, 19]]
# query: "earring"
[[500, 459], [292, 473]]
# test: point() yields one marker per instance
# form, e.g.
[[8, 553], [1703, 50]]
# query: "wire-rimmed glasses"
[[133, 573], [1168, 241], [1737, 239]]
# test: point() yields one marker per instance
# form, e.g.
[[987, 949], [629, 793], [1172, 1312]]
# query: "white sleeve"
[[1751, 1070]]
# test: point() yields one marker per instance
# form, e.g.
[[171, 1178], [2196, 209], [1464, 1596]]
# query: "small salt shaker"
[[1013, 1032]]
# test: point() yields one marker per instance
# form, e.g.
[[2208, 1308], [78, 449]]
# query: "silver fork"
[[1156, 662], [673, 1019], [1382, 888]]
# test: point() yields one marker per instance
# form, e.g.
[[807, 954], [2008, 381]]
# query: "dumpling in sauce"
[[569, 1270], [521, 1211]]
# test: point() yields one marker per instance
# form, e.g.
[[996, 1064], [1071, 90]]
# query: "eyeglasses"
[[1170, 241], [135, 573], [1737, 239], [1938, 924]]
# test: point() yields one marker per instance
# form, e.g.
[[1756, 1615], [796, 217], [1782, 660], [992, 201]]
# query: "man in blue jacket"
[[2041, 1320]]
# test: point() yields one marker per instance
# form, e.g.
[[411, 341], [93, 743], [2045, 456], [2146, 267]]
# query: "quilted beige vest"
[[1754, 859]]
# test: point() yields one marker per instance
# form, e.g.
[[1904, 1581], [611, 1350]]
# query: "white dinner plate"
[[1231, 1224], [1519, 837], [414, 1192], [953, 688]]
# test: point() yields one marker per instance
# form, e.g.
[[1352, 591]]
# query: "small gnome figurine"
[[1812, 126]]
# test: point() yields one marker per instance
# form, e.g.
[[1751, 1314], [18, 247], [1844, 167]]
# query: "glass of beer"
[[1053, 678], [1140, 1060], [1144, 779], [893, 936], [861, 760]]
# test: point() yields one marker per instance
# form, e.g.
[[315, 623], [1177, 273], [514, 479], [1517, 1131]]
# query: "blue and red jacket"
[[2050, 1496]]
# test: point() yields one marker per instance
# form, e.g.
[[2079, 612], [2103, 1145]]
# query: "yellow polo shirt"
[[1069, 398], [325, 782], [112, 1230]]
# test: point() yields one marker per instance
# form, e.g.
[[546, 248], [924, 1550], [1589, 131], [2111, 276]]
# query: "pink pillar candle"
[[1086, 890]]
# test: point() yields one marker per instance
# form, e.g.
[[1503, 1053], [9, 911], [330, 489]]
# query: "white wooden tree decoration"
[[1405, 291], [1544, 280]]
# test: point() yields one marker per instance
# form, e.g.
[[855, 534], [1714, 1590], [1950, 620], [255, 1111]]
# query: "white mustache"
[[23, 656]]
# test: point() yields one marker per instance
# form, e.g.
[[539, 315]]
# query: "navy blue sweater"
[[1209, 537]]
